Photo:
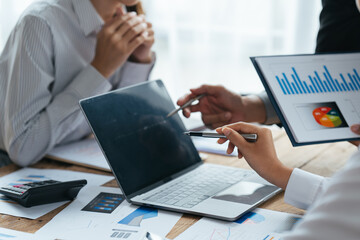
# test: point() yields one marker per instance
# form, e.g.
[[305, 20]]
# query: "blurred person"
[[59, 52]]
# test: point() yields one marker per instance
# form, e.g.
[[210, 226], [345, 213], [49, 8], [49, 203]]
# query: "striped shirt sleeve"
[[36, 119]]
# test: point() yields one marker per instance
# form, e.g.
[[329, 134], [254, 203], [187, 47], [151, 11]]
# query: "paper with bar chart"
[[259, 224], [318, 95], [103, 213]]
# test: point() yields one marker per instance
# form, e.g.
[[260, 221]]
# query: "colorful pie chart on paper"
[[327, 117]]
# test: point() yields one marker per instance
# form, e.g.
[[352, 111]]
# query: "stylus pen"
[[251, 137], [188, 103]]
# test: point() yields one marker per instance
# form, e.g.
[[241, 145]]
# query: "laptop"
[[157, 165]]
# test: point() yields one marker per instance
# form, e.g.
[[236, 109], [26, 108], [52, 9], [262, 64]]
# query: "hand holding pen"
[[249, 137], [260, 155], [234, 133], [221, 107]]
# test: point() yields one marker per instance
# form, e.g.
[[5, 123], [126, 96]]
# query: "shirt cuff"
[[271, 116], [302, 188], [89, 82], [133, 73]]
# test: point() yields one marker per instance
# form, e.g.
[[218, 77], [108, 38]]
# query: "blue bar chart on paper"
[[317, 96], [318, 82]]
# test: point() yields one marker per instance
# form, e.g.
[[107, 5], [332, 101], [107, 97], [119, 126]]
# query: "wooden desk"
[[322, 159]]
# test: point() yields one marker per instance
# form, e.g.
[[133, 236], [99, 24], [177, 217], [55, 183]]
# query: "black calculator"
[[37, 193]]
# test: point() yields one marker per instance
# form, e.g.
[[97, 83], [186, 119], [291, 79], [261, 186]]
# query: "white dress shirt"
[[45, 70], [333, 203]]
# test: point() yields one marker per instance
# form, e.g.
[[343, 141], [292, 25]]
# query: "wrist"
[[101, 69], [141, 59], [282, 176], [254, 109]]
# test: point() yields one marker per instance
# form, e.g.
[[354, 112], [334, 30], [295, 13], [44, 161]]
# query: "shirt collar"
[[89, 20]]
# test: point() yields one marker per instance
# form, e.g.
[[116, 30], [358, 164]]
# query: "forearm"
[[254, 109], [38, 139], [279, 176], [42, 124], [39, 104]]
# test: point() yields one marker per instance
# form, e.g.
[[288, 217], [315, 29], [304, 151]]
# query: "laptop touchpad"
[[246, 192]]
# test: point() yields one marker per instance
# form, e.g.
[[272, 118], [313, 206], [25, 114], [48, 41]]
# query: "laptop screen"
[[141, 144]]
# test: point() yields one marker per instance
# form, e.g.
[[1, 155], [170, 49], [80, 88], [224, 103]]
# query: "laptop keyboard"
[[198, 186]]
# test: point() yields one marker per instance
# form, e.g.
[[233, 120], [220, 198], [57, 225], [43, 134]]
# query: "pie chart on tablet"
[[327, 117]]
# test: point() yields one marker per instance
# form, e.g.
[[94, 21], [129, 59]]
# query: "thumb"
[[120, 11], [235, 138], [355, 128]]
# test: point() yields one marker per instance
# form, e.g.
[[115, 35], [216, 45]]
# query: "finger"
[[216, 118], [235, 138], [131, 28], [185, 99], [230, 148], [186, 112], [194, 108], [119, 12], [149, 25], [355, 128], [151, 32], [240, 155], [356, 143], [222, 140], [150, 39], [113, 25], [202, 102], [142, 16], [207, 89], [136, 42]]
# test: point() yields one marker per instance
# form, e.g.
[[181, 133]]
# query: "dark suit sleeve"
[[339, 27]]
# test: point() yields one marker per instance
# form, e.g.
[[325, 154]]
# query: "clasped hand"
[[126, 35]]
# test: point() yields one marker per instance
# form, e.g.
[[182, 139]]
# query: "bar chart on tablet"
[[318, 82], [318, 96]]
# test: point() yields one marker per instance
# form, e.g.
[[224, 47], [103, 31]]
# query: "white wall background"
[[210, 41]]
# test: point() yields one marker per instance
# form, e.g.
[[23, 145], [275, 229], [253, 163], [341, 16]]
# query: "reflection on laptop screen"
[[141, 144]]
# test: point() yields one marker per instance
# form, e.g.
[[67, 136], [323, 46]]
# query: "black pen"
[[250, 137]]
